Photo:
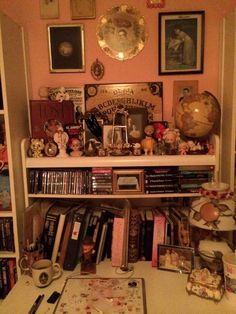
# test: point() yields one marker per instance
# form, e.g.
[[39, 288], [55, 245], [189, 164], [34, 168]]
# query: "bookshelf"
[[14, 117], [123, 162]]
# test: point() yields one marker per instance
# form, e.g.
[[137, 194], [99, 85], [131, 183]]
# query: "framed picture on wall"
[[49, 9], [181, 42], [83, 9], [183, 89], [66, 48]]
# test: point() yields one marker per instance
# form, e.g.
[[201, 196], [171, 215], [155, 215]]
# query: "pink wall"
[[144, 67]]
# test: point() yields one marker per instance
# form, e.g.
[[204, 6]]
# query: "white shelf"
[[121, 161], [6, 213], [113, 196]]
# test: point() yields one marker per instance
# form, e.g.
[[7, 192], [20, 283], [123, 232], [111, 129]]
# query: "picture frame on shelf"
[[175, 258], [137, 120], [83, 9], [66, 47], [49, 9], [183, 89], [107, 135], [181, 42], [128, 181]]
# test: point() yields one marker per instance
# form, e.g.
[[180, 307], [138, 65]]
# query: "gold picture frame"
[[128, 181], [83, 9], [66, 47], [49, 9]]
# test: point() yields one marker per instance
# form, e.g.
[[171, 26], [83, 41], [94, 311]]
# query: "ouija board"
[[102, 295], [104, 98]]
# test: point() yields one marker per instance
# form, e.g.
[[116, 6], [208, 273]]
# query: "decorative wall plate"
[[121, 32]]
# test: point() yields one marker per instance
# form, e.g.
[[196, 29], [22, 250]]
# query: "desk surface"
[[165, 292]]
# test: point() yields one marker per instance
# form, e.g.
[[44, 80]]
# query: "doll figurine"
[[148, 142], [171, 139], [87, 263], [61, 138], [75, 146]]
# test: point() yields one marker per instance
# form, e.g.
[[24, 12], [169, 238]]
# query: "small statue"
[[87, 263], [36, 147], [61, 138], [148, 143]]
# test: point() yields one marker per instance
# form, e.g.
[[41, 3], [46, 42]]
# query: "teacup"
[[229, 260], [44, 271]]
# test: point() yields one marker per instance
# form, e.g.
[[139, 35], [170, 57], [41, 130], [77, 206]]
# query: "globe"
[[196, 116]]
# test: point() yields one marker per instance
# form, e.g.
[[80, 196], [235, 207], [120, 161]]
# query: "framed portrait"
[[66, 48], [107, 135], [175, 258], [128, 181], [137, 120], [181, 42], [49, 9], [183, 89], [83, 9]]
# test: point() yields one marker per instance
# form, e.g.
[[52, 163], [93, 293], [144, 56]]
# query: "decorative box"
[[205, 284]]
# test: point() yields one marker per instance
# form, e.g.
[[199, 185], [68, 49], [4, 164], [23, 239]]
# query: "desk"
[[165, 292]]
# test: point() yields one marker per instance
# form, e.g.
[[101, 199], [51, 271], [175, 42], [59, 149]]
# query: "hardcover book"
[[43, 112]]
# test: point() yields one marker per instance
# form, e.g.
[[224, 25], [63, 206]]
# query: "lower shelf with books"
[[122, 231]]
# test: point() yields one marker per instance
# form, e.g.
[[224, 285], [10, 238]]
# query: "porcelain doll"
[[171, 139], [75, 146]]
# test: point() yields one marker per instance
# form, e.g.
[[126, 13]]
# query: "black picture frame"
[[181, 42], [66, 47]]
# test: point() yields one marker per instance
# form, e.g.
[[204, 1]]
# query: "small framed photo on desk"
[[175, 258]]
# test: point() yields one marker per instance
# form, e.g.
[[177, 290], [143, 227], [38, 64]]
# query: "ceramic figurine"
[[87, 263], [148, 143], [61, 138], [37, 147]]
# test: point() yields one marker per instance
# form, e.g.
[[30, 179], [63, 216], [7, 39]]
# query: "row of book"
[[67, 224], [6, 234], [100, 180], [8, 275]]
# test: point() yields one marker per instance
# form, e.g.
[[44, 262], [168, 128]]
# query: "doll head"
[[75, 144]]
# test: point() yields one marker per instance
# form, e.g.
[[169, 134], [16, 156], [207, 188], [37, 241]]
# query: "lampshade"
[[215, 209]]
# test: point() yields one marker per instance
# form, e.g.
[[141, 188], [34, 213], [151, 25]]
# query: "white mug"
[[44, 271]]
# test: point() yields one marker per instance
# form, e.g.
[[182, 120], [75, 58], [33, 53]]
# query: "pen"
[[36, 304]]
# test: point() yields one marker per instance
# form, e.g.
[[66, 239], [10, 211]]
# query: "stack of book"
[[8, 275], [161, 180], [191, 178], [6, 234], [101, 180]]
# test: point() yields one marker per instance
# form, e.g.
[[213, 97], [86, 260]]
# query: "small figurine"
[[61, 138], [148, 143], [37, 147], [87, 263], [183, 148], [171, 139], [75, 146]]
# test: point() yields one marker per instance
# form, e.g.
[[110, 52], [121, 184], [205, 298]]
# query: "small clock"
[[50, 149]]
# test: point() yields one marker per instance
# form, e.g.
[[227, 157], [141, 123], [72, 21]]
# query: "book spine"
[[133, 241], [158, 236], [117, 242]]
